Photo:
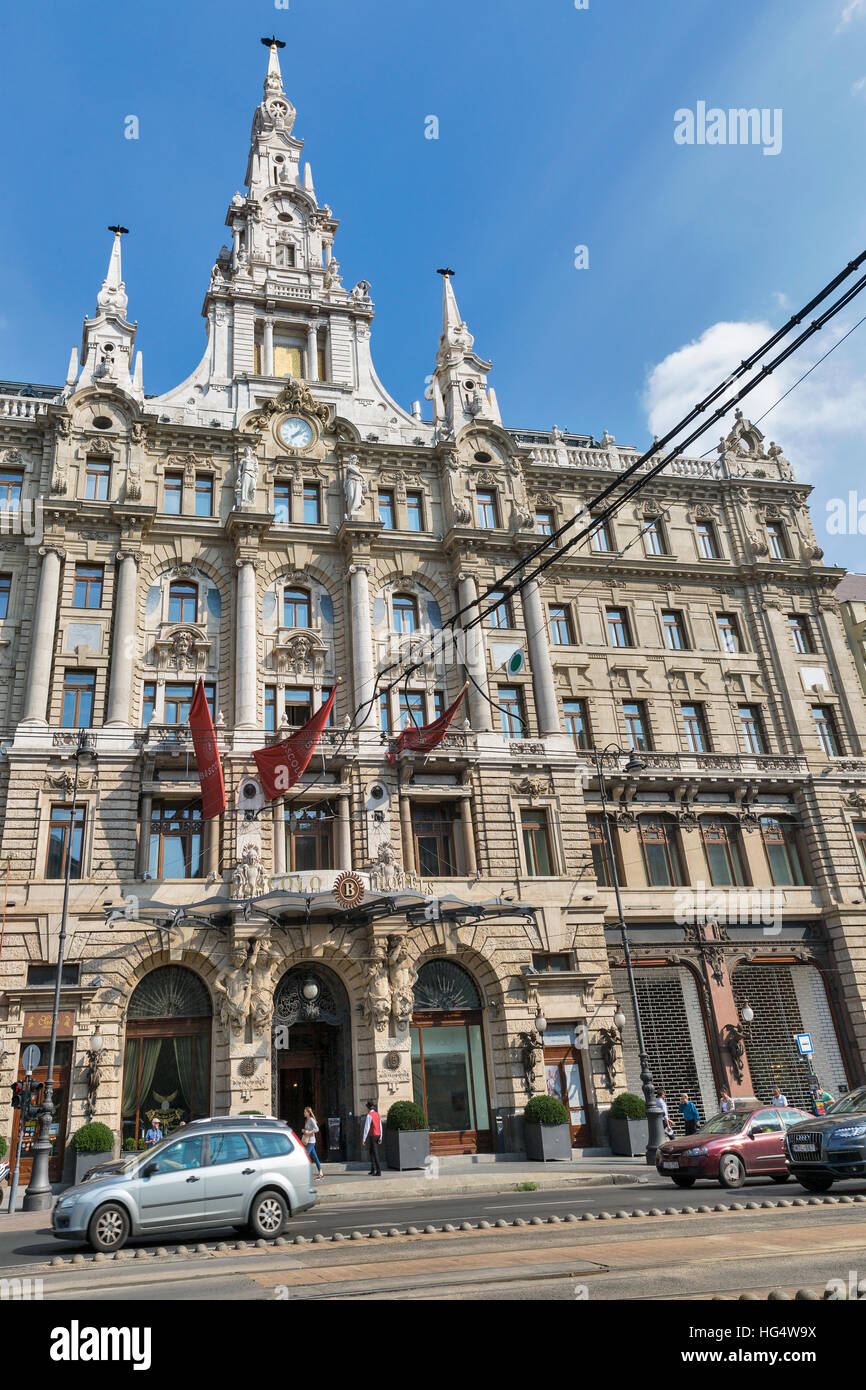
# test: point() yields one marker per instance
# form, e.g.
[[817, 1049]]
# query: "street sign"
[[30, 1057], [804, 1042]]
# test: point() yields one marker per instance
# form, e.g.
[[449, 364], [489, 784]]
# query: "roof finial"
[[112, 296], [273, 78]]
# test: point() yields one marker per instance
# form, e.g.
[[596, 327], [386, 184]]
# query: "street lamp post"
[[37, 1196], [655, 1123]]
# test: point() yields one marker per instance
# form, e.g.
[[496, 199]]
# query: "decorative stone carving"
[[59, 476], [249, 879], [247, 479], [133, 478], [609, 1041], [299, 652], [263, 960], [355, 487], [386, 873], [377, 996], [531, 1049], [295, 396], [233, 990], [182, 647], [402, 976], [533, 787]]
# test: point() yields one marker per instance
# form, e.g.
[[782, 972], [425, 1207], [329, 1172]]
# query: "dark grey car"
[[830, 1147], [250, 1173]]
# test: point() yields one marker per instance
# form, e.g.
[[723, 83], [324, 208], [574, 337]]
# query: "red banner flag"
[[420, 739], [210, 773], [281, 765]]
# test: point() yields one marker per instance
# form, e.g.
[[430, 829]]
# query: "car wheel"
[[109, 1228], [814, 1182], [780, 1177], [731, 1171], [682, 1180], [268, 1215]]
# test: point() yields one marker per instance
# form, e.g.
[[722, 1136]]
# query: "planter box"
[[628, 1138], [546, 1142], [407, 1148], [84, 1163]]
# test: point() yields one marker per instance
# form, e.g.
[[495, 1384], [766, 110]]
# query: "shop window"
[[64, 839], [176, 840], [536, 844], [723, 852], [79, 688], [782, 848], [166, 1060], [87, 588], [182, 601], [433, 830], [661, 852], [447, 1051]]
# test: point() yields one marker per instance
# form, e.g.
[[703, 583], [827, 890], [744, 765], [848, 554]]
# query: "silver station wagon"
[[250, 1172]]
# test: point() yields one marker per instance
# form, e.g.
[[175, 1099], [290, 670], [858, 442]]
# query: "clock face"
[[295, 432]]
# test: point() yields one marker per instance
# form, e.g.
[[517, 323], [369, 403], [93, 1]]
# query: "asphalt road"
[[19, 1247]]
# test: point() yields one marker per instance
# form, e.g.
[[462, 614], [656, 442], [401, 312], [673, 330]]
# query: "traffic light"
[[17, 1094], [34, 1099]]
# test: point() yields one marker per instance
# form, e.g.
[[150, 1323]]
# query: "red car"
[[744, 1143]]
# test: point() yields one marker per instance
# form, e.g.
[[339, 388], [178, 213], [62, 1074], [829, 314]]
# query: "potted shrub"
[[546, 1129], [92, 1144], [627, 1125], [407, 1138]]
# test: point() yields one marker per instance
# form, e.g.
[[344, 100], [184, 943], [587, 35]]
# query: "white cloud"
[[855, 9], [820, 425], [858, 86], [781, 299]]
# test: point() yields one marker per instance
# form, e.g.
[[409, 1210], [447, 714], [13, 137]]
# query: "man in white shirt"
[[372, 1138], [778, 1098]]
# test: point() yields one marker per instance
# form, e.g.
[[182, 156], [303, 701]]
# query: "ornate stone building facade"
[[277, 523]]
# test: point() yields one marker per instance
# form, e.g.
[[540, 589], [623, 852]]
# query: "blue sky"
[[555, 130]]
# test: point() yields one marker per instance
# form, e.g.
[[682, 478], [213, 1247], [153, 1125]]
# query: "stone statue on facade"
[[249, 879], [233, 990], [262, 962], [377, 997], [248, 477], [402, 975], [354, 487], [385, 873], [610, 1040]]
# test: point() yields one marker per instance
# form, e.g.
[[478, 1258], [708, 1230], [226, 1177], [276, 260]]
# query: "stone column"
[[535, 622], [406, 831], [279, 838], [362, 643], [344, 834], [44, 632], [212, 846], [268, 348], [144, 834], [480, 710], [312, 353], [246, 647], [468, 836], [123, 643]]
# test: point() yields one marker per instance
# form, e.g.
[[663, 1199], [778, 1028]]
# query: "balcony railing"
[[747, 765]]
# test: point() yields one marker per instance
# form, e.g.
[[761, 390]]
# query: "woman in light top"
[[308, 1137]]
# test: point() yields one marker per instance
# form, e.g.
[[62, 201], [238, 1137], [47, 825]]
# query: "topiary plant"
[[94, 1138], [628, 1106], [131, 1146], [405, 1114], [3, 1146], [545, 1110]]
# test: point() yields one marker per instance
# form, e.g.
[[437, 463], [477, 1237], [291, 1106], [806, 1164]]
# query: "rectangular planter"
[[546, 1142], [628, 1138], [407, 1148], [84, 1163]]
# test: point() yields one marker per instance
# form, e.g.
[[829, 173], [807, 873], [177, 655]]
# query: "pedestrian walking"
[[373, 1138], [154, 1134], [689, 1112], [778, 1097], [663, 1106], [308, 1137], [821, 1097], [725, 1102]]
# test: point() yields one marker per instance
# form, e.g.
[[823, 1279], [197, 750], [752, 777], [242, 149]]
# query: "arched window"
[[443, 985], [405, 611], [661, 851], [448, 1073], [166, 1062], [182, 601], [723, 850], [296, 608]]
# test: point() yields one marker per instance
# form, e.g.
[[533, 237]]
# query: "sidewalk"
[[475, 1173]]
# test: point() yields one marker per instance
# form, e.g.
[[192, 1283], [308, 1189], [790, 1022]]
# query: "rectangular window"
[[729, 632], [64, 839], [860, 836], [553, 963], [536, 843], [308, 837], [801, 632], [561, 634], [386, 510], [322, 363], [325, 697], [601, 539], [11, 483], [486, 510], [576, 722], [661, 852], [298, 706], [203, 494], [674, 630], [438, 703], [752, 726], [5, 590], [637, 730], [601, 866], [270, 709], [172, 503], [175, 840], [433, 833], [45, 976], [783, 852], [79, 688], [312, 509], [654, 537], [708, 544], [178, 698], [723, 852], [544, 523], [96, 476], [87, 589], [385, 713], [510, 711], [777, 541], [825, 724], [415, 511], [411, 709], [618, 634], [282, 503], [148, 703], [500, 613], [694, 728]]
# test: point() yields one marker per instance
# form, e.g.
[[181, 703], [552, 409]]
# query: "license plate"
[[802, 1144], [671, 1163]]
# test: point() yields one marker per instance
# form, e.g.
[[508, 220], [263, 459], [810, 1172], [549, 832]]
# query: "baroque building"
[[277, 524]]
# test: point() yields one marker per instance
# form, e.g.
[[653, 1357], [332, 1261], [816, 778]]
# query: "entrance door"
[[63, 1059], [564, 1077], [307, 1076]]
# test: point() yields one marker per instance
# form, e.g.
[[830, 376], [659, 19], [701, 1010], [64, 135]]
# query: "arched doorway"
[[449, 1077], [311, 1041], [166, 1061]]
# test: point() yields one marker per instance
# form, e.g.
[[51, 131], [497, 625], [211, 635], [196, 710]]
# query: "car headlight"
[[697, 1153], [850, 1132], [66, 1202]]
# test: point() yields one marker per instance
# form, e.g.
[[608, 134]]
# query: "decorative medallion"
[[392, 1061], [247, 1066], [348, 890]]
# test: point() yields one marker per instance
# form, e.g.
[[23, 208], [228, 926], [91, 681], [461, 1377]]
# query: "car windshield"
[[855, 1103], [731, 1123]]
